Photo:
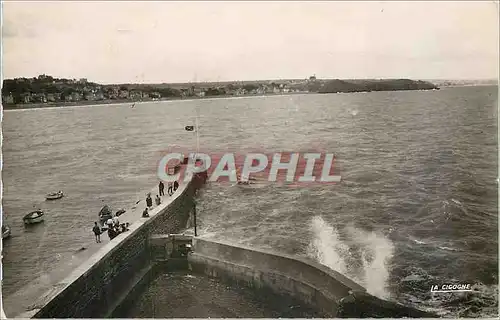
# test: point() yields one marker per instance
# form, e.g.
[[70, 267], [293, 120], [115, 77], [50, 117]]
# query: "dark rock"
[[363, 305]]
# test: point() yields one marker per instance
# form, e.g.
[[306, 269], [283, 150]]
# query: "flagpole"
[[197, 151], [197, 135]]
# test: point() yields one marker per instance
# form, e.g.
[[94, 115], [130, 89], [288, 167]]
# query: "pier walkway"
[[26, 301]]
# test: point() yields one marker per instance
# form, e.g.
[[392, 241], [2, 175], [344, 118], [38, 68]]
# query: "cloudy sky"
[[113, 42]]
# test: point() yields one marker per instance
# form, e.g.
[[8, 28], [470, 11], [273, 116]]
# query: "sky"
[[161, 42]]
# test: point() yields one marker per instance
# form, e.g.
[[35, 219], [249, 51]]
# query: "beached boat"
[[33, 217], [5, 231], [105, 214], [54, 195]]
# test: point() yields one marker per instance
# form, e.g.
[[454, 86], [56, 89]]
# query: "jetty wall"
[[307, 281], [96, 288], [331, 293]]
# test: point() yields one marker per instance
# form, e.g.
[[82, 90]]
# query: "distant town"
[[46, 90]]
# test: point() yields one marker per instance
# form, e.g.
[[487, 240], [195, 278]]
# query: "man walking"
[[97, 232], [161, 188]]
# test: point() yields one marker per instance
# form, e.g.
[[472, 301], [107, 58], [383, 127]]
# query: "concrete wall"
[[97, 287], [312, 283], [331, 293]]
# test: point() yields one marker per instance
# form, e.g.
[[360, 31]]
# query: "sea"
[[417, 205]]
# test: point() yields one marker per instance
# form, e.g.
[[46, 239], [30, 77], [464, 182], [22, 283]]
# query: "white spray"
[[357, 254]]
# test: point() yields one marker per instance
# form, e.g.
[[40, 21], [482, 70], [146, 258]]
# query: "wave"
[[418, 241], [448, 248], [353, 252]]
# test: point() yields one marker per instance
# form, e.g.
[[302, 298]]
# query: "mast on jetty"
[[197, 133]]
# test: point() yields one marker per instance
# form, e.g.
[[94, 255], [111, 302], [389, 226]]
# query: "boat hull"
[[33, 220], [6, 234], [54, 197]]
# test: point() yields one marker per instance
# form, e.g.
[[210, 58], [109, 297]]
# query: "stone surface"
[[187, 295]]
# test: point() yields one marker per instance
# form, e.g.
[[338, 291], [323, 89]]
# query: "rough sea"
[[417, 205]]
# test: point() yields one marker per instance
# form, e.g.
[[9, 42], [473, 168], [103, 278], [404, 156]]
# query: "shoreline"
[[9, 107], [128, 101]]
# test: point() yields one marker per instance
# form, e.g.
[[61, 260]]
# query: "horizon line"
[[255, 80]]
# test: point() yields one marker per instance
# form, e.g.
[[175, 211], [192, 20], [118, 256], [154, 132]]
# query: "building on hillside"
[[51, 97], [199, 92], [135, 95], [76, 96], [39, 97], [99, 95], [124, 94], [44, 77], [112, 93], [89, 96], [155, 95], [8, 99], [26, 98]]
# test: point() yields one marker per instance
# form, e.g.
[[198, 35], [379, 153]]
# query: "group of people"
[[114, 228], [113, 224], [172, 187]]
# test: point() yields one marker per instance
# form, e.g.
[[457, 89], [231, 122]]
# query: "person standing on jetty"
[[112, 233], [116, 222], [170, 190], [161, 188], [110, 223], [149, 201], [97, 232], [158, 200], [176, 185]]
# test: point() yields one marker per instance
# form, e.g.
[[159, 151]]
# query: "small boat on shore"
[[5, 231], [104, 215], [33, 217], [54, 195]]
